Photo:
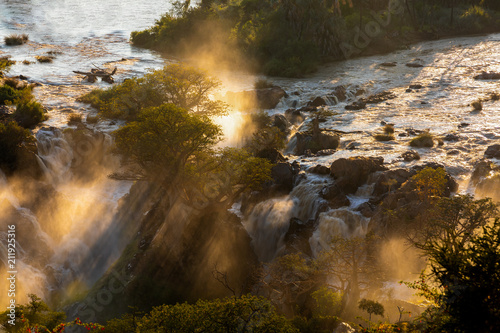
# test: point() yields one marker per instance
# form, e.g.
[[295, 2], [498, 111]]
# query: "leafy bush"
[[75, 118], [477, 105], [92, 119], [8, 94], [384, 137], [423, 140], [44, 59], [389, 129], [29, 113], [13, 40], [12, 137]]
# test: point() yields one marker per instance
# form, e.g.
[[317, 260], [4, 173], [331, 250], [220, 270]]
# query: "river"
[[95, 33]]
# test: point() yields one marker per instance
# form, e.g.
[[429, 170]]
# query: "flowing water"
[[95, 33]]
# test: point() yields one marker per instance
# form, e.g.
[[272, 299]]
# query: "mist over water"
[[79, 240]]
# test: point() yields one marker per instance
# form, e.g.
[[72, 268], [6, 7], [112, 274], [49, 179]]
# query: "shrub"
[[75, 118], [29, 113], [477, 105], [389, 129], [423, 140], [13, 40], [8, 94], [12, 137], [384, 137]]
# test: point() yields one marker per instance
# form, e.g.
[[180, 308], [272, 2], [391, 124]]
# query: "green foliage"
[[266, 138], [29, 113], [182, 85], [75, 118], [372, 307], [5, 63], [8, 94], [167, 140], [92, 119], [12, 138], [328, 302], [383, 137], [423, 140], [244, 314], [13, 40], [389, 129], [429, 182], [477, 105]]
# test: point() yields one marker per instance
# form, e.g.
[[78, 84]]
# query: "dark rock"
[[266, 98], [451, 137], [390, 180], [320, 169], [356, 106], [353, 145], [462, 125], [335, 196], [272, 154], [414, 65], [415, 86], [481, 170], [339, 93], [326, 152], [366, 209], [282, 174], [453, 152], [308, 109], [378, 98], [388, 64], [353, 172], [280, 121], [488, 76], [297, 236], [294, 116], [323, 141], [328, 140], [493, 151], [410, 155], [408, 90], [318, 101]]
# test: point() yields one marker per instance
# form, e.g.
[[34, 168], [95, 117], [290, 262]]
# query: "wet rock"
[[414, 65], [488, 76], [353, 172], [481, 170], [410, 155], [353, 145], [294, 116], [318, 101], [323, 140], [453, 152], [366, 209], [462, 125], [297, 236], [280, 121], [355, 106], [266, 98], [378, 98], [408, 90], [326, 152], [308, 109], [272, 154], [328, 140], [339, 93], [451, 137], [335, 196], [389, 64], [493, 151], [282, 174], [390, 180], [415, 86], [320, 169]]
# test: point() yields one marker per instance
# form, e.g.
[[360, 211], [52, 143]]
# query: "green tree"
[[463, 249], [13, 138], [372, 307]]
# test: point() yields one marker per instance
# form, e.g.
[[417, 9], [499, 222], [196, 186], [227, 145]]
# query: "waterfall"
[[66, 229], [269, 220]]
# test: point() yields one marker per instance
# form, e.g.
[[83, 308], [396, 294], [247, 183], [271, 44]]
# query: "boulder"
[[414, 65], [339, 93], [410, 155], [488, 76], [328, 140], [335, 196], [280, 121], [320, 169], [390, 180], [272, 154], [481, 170], [451, 137], [323, 141], [297, 236], [354, 106], [318, 101], [389, 64], [350, 173], [493, 151], [282, 174], [294, 116], [415, 86], [268, 98], [378, 98]]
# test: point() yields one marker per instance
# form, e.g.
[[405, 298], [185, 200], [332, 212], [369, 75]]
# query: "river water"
[[95, 33]]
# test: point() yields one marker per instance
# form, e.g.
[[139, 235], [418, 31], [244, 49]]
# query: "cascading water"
[[80, 213], [269, 220]]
